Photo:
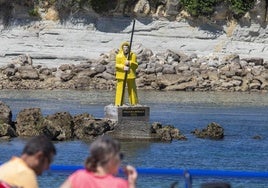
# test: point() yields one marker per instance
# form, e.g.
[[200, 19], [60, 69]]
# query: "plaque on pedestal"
[[131, 121], [128, 113]]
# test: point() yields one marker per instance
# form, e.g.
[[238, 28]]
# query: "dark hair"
[[39, 143], [101, 151]]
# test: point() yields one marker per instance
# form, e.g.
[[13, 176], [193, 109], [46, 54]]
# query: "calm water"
[[242, 115]]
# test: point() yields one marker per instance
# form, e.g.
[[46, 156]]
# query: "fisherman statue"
[[126, 65], [131, 119]]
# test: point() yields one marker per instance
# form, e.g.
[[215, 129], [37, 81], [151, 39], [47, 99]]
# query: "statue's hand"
[[126, 68]]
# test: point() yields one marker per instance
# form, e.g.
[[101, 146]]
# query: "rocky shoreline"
[[167, 71]]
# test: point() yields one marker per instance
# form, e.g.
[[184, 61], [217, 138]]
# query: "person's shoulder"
[[119, 180], [15, 164], [80, 173]]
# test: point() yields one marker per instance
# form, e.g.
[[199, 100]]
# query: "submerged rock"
[[257, 137]]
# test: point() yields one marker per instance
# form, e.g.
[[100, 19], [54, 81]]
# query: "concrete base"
[[132, 122]]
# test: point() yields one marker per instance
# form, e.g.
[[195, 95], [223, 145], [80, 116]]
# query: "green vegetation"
[[34, 12], [72, 5], [102, 6], [99, 5], [195, 8], [206, 7], [200, 7], [240, 7]]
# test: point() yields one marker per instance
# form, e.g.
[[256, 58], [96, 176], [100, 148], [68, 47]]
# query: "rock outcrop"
[[63, 126], [167, 133], [29, 122], [213, 131], [5, 113], [7, 129]]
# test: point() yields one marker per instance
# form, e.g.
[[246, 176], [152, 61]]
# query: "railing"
[[187, 174]]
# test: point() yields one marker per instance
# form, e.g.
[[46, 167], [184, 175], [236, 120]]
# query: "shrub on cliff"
[[200, 7], [195, 8], [240, 7], [206, 7], [102, 6]]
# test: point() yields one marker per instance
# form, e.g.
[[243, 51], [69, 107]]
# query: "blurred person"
[[36, 157], [101, 168]]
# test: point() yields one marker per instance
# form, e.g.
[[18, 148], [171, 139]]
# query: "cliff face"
[[70, 35], [174, 10]]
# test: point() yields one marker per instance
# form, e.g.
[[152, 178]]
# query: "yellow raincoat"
[[131, 75]]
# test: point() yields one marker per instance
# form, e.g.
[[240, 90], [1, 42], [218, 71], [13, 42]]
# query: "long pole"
[[128, 58]]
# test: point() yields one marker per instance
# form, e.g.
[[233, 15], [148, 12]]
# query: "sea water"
[[242, 115]]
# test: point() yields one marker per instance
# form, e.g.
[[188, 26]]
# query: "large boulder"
[[258, 13], [22, 60], [58, 126], [28, 72], [29, 122], [65, 72], [86, 127], [5, 114], [7, 131], [166, 80], [172, 8]]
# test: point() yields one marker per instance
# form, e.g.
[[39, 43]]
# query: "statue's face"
[[125, 49]]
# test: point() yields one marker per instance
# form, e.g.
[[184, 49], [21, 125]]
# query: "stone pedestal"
[[132, 122]]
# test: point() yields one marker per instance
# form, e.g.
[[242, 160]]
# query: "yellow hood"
[[124, 44]]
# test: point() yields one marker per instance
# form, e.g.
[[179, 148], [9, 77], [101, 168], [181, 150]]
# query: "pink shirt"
[[86, 179]]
